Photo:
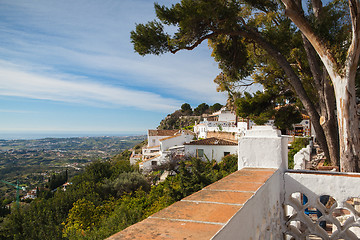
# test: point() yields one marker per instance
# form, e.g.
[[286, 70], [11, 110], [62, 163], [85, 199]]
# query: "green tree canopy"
[[259, 107], [314, 53], [201, 109], [186, 109], [262, 106], [216, 107]]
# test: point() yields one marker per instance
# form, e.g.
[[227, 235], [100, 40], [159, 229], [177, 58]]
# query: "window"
[[226, 153], [153, 163], [199, 153], [299, 131]]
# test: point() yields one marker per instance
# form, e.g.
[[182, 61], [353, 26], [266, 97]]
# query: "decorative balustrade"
[[300, 205], [321, 205]]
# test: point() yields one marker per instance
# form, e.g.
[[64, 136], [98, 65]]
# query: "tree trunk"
[[296, 83], [348, 123], [326, 96], [329, 124], [342, 77]]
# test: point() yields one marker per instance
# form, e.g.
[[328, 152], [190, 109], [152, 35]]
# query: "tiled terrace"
[[202, 214]]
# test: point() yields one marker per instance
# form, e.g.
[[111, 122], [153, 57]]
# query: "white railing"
[[293, 204], [332, 207], [278, 209]]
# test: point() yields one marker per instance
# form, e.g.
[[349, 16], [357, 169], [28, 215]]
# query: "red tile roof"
[[212, 141]]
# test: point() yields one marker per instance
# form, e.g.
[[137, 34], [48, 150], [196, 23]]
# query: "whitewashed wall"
[[175, 141], [215, 152], [263, 147], [227, 116], [261, 215], [154, 140]]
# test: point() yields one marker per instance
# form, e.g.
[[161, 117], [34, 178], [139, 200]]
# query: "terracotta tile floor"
[[202, 214]]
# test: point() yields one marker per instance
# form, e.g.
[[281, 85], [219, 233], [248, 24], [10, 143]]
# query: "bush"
[[127, 182], [296, 146]]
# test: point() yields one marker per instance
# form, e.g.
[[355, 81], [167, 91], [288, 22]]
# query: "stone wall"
[[222, 135]]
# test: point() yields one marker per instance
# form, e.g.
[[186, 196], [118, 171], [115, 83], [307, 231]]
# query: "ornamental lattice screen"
[[319, 206]]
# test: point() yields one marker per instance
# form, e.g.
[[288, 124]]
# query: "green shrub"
[[296, 146]]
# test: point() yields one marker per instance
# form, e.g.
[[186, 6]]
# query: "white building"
[[31, 194], [134, 158], [161, 144], [148, 164], [223, 121], [154, 136], [211, 148], [304, 128], [223, 115], [183, 136]]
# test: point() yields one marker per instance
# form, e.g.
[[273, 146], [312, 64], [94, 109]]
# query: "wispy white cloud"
[[93, 38], [16, 111], [18, 82]]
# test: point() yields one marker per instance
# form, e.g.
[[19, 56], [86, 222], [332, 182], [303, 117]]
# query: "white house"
[[181, 137], [148, 164], [304, 128], [211, 148], [30, 195], [201, 130], [134, 158], [154, 136], [223, 115], [161, 144], [224, 121]]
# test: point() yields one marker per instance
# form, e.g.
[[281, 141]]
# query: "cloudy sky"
[[69, 66]]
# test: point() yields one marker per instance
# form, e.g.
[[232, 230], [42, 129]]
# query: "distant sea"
[[36, 135]]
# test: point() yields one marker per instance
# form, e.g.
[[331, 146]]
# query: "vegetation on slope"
[[186, 116], [106, 198], [32, 162]]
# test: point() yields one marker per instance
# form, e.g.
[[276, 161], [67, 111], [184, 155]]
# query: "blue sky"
[[69, 66]]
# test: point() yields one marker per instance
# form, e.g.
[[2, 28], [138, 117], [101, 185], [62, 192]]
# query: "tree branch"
[[354, 50], [294, 81], [317, 7], [298, 18], [313, 63], [197, 42]]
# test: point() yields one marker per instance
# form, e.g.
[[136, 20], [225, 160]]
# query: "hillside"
[[186, 116], [32, 161], [106, 198]]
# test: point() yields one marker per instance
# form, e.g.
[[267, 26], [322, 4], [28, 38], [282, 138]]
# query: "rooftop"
[[152, 158], [156, 132], [202, 214], [212, 141], [166, 138]]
